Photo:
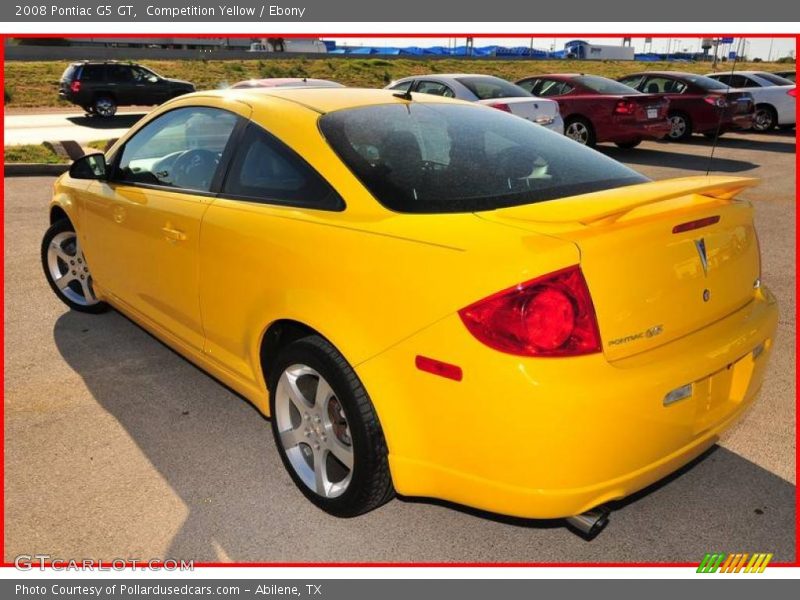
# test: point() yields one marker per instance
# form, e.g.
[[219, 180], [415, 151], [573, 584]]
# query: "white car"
[[489, 90], [773, 95]]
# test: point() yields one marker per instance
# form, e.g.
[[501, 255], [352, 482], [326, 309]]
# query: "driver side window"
[[179, 149]]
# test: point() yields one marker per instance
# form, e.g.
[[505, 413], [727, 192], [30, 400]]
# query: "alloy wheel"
[[578, 132], [314, 431], [763, 120], [678, 124], [105, 107], [68, 269]]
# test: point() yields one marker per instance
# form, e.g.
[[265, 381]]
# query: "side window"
[[403, 86], [179, 149], [92, 73], [434, 88], [633, 81], [265, 170], [552, 87], [663, 85], [741, 81], [528, 85], [726, 79], [120, 73]]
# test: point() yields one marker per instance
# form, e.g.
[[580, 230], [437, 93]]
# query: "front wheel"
[[326, 429], [66, 270]]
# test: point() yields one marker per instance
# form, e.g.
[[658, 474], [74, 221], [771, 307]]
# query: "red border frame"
[[796, 37]]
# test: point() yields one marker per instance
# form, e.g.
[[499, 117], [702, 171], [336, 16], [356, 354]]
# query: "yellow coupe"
[[427, 296]]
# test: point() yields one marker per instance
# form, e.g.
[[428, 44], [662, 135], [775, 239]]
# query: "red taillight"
[[549, 316], [792, 92], [697, 224], [716, 100], [75, 86], [501, 106], [625, 107]]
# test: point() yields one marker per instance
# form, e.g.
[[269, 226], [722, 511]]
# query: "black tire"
[[589, 139], [60, 227], [678, 134], [765, 118], [628, 145], [370, 485], [104, 106]]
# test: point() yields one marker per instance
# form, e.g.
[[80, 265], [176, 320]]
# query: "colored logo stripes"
[[734, 563]]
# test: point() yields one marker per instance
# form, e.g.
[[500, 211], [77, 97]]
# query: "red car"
[[596, 109], [697, 104]]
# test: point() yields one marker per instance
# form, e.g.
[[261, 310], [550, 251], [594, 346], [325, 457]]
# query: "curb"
[[33, 169]]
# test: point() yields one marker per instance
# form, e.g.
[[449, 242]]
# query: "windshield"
[[602, 85], [444, 158], [774, 79], [486, 88], [705, 82]]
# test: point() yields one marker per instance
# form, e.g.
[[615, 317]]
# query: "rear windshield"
[[602, 85], [774, 79], [486, 88], [446, 158], [705, 82]]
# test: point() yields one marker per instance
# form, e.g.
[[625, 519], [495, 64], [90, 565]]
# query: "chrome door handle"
[[173, 235]]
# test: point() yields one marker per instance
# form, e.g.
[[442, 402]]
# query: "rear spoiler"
[[596, 206]]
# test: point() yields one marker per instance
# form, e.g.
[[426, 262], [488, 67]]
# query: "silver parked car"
[[489, 90]]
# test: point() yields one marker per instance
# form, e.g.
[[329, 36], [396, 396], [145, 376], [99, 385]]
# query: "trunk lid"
[[537, 110], [645, 107], [652, 281]]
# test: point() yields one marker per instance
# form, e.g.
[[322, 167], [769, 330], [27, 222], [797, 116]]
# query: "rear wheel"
[[681, 127], [628, 144], [326, 429], [105, 106], [765, 118], [580, 130], [66, 270]]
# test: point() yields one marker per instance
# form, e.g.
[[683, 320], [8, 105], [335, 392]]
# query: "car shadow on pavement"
[[774, 142], [216, 453], [676, 160], [115, 122]]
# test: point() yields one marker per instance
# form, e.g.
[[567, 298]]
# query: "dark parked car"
[[790, 75], [100, 87], [698, 104], [597, 109]]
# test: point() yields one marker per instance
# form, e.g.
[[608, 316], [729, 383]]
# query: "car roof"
[[324, 100], [669, 73], [448, 76]]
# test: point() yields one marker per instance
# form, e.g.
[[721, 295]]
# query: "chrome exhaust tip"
[[590, 523]]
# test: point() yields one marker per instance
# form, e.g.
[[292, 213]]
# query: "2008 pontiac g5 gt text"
[[425, 295]]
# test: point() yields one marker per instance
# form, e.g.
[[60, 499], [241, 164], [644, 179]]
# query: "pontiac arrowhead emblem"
[[701, 250]]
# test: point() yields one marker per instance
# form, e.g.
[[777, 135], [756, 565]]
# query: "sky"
[[764, 48]]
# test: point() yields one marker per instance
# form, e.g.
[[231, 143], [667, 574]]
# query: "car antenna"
[[722, 112], [404, 95]]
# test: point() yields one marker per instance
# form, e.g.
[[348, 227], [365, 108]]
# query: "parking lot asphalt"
[[118, 447]]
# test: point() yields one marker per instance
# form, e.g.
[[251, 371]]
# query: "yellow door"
[[142, 227]]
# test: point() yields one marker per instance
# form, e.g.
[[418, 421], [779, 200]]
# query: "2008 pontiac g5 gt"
[[426, 296]]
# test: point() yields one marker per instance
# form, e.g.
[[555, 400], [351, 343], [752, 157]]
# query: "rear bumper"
[[551, 438], [557, 125], [629, 129], [738, 122]]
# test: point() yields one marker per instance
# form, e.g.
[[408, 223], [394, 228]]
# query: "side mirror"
[[90, 166]]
